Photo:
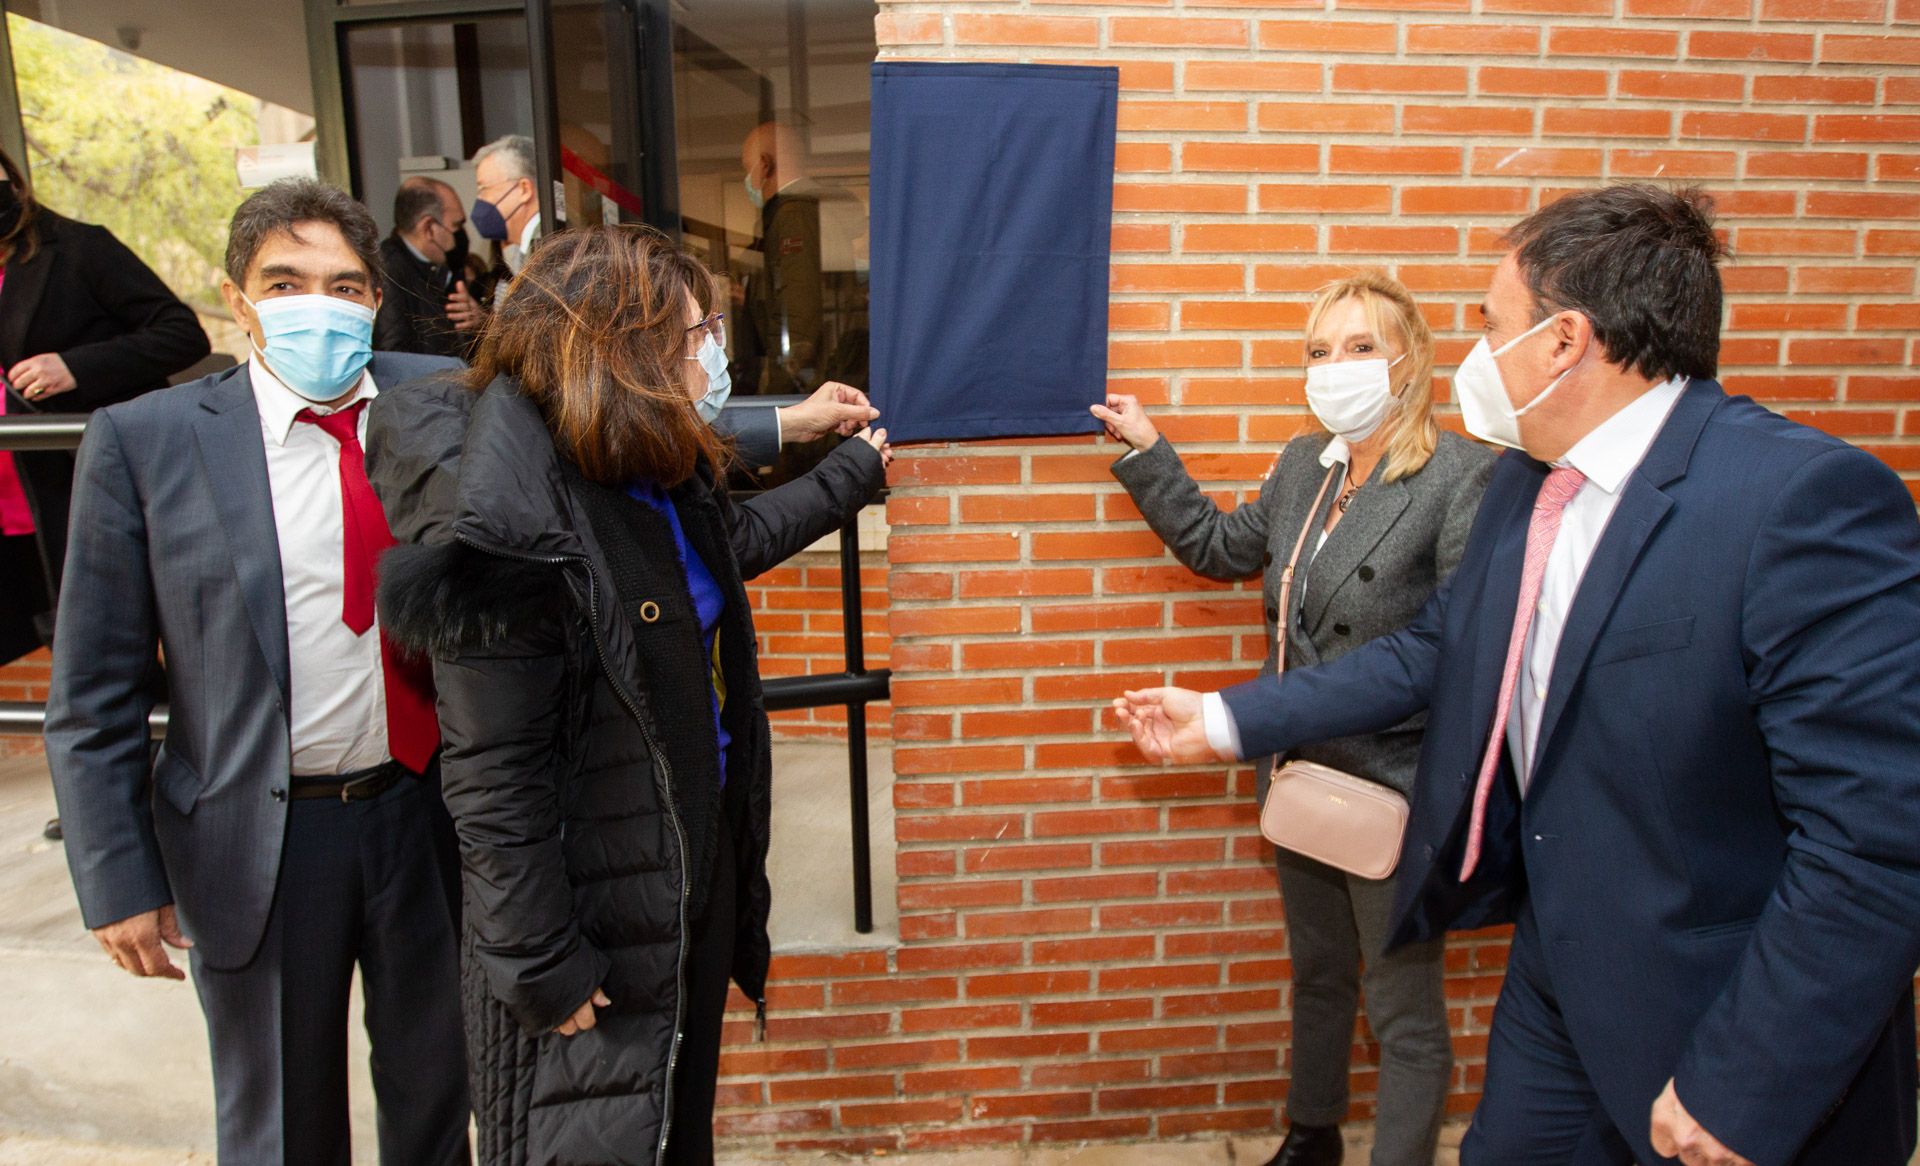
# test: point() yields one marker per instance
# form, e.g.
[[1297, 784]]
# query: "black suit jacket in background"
[[413, 311], [122, 332]]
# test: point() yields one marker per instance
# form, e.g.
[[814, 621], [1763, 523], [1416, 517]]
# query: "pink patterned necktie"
[[1558, 490]]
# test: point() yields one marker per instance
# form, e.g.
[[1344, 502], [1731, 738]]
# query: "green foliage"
[[143, 150]]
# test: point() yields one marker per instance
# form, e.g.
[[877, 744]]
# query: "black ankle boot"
[[1310, 1146]]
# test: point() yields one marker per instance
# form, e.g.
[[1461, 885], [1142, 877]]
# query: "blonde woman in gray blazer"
[[1389, 528]]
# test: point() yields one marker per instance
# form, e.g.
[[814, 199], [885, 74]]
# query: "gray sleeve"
[[755, 433], [1225, 546], [98, 703]]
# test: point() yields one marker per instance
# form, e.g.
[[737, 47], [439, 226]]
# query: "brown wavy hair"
[[594, 330]]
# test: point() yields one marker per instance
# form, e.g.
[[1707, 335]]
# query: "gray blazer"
[[173, 546], [1398, 541]]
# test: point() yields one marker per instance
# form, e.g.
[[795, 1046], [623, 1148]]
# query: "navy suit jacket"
[[174, 547], [1721, 839]]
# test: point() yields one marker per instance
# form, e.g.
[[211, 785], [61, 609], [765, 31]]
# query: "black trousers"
[[709, 964], [360, 884]]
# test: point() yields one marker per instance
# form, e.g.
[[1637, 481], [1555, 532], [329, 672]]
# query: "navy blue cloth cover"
[[991, 226]]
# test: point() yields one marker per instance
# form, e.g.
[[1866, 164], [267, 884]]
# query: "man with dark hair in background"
[[423, 263], [1673, 728], [285, 834]]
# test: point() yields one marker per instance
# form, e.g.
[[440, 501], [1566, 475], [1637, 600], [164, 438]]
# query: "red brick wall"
[[797, 611], [1091, 948]]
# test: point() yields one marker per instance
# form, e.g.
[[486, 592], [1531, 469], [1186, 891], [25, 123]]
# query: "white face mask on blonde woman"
[[1352, 398]]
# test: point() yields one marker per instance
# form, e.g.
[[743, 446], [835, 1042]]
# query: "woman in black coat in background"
[[606, 745], [83, 323]]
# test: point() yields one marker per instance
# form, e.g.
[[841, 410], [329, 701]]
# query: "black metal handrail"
[[855, 687]]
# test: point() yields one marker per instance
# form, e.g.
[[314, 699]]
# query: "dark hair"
[[281, 207], [1640, 263], [418, 198], [594, 329], [18, 239]]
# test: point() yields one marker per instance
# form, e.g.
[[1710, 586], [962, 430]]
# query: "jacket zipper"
[[673, 813]]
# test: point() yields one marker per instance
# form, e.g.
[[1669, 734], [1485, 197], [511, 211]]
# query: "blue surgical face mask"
[[713, 361], [753, 193], [317, 345]]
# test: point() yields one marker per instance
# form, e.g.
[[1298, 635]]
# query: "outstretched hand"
[[1166, 725]]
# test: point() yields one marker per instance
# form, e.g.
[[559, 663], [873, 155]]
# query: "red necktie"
[[1558, 490], [413, 730]]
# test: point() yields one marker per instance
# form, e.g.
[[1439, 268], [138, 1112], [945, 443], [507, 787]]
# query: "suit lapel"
[[25, 287], [1288, 520], [1643, 507], [234, 458], [1372, 514], [1500, 594]]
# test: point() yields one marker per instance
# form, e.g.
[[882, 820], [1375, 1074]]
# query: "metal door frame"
[[328, 22]]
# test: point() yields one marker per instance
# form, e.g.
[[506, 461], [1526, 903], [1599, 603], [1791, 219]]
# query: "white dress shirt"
[[1606, 456], [339, 696]]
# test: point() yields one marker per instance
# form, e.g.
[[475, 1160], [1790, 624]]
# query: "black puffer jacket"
[[574, 821]]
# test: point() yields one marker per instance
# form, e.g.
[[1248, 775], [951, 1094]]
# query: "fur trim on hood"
[[447, 598]]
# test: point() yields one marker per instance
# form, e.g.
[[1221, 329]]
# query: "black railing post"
[[855, 635]]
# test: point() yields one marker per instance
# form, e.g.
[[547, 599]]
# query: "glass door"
[[422, 96]]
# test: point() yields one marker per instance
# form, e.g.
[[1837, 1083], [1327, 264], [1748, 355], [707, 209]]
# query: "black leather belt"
[[359, 786]]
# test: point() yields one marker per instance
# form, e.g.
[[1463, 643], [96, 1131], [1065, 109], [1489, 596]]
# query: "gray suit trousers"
[[1332, 917]]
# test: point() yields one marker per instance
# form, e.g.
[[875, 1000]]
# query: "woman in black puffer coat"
[[606, 749]]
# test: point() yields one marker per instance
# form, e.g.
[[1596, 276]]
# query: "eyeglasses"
[[714, 326]]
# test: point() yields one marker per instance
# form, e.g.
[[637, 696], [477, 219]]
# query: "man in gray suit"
[[286, 832]]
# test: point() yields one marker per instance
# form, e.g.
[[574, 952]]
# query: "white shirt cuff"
[[779, 434], [1223, 736], [1129, 455]]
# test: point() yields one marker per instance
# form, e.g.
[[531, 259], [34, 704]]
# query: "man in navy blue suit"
[[1673, 697]]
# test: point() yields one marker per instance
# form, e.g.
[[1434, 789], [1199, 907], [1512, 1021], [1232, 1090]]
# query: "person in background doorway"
[[607, 760], [83, 323], [784, 298], [423, 263], [1386, 499], [506, 206], [285, 834]]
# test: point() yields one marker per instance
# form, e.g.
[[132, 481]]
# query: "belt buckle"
[[347, 788]]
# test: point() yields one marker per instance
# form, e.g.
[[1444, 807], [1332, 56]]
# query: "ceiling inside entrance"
[[255, 46]]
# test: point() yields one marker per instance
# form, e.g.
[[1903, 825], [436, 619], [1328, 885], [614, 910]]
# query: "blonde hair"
[[1395, 320]]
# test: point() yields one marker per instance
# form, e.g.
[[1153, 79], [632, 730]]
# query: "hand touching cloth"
[[832, 408], [1127, 421]]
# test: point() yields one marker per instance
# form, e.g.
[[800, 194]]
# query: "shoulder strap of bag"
[[1293, 562]]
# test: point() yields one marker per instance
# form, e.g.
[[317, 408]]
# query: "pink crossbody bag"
[[1314, 810]]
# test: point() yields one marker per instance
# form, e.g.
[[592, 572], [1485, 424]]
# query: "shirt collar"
[[279, 405], [1337, 451], [1618, 444], [528, 232], [415, 251]]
